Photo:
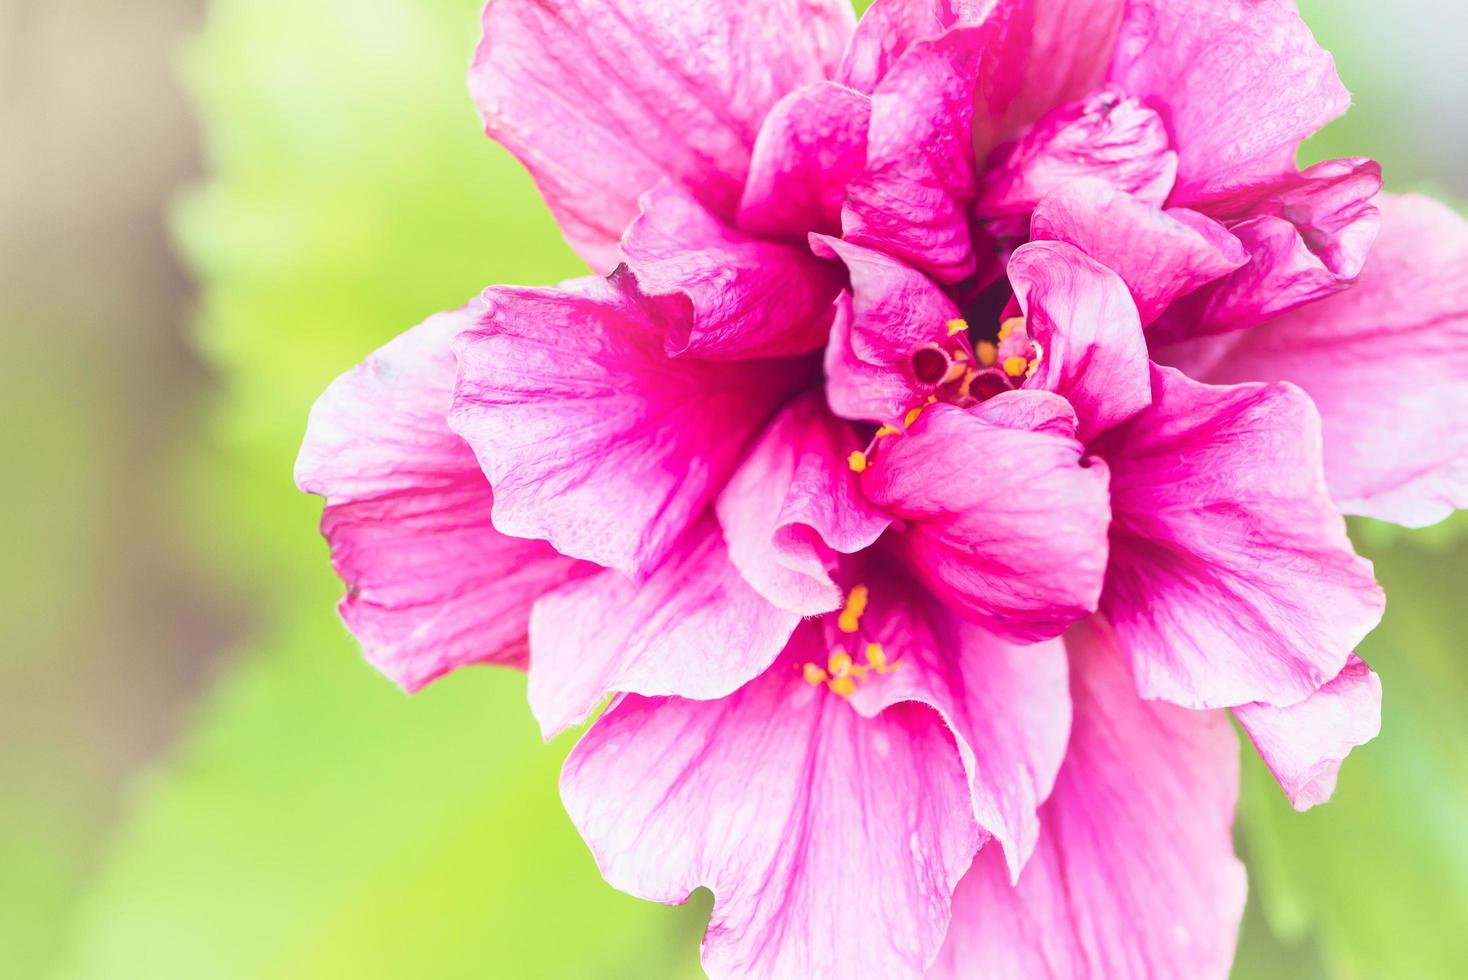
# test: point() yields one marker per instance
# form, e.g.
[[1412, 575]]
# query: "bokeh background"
[[207, 210]]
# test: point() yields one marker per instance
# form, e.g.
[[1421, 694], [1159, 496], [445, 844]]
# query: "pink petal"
[[1160, 255], [738, 297], [1044, 53], [1008, 706], [913, 199], [1135, 874], [813, 142], [794, 505], [1240, 83], [1386, 362], [1081, 315], [431, 585], [1305, 744], [591, 436], [890, 27], [1006, 525], [1232, 579], [831, 841], [1104, 137], [600, 100], [694, 629], [893, 310], [1306, 237]]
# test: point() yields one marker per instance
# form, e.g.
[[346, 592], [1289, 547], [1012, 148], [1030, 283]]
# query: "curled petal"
[[431, 585]]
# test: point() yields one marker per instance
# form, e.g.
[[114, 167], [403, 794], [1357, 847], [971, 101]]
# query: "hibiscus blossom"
[[960, 420]]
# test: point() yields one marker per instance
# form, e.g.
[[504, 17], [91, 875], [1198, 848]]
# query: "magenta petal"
[[1105, 137], [591, 436], [831, 841], [1008, 706], [890, 27], [601, 100], [1306, 238], [1135, 874], [1081, 315], [1006, 525], [813, 142], [1240, 83], [1386, 362], [1160, 255], [1305, 743], [794, 505], [1231, 579], [913, 199], [694, 629], [740, 297], [893, 310], [431, 585]]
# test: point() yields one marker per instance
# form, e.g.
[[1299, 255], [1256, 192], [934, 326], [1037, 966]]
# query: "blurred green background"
[[207, 210]]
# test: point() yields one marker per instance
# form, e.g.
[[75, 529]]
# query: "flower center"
[[842, 673]]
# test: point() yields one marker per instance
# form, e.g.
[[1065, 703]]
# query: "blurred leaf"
[[1380, 874]]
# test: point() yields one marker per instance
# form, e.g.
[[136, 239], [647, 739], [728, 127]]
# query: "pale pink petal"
[[794, 505], [1007, 525], [1135, 874], [914, 197], [813, 142], [831, 841], [1160, 255], [601, 99], [1305, 744], [1240, 83], [1307, 238], [1104, 137], [1008, 706], [890, 27], [1093, 351], [694, 629], [893, 310], [1386, 362], [431, 585], [1231, 579], [736, 296], [593, 438], [1045, 53]]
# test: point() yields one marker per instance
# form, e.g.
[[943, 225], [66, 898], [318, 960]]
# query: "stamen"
[[857, 461], [1015, 366], [814, 674], [1010, 326], [957, 326], [986, 352], [856, 604]]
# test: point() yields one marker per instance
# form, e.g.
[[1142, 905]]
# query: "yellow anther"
[[843, 686], [1010, 326], [986, 352], [877, 659], [857, 461], [840, 664], [957, 326], [814, 674], [856, 604], [888, 430], [913, 414], [1015, 366]]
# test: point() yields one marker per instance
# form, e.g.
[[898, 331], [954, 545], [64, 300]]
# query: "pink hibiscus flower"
[[962, 423]]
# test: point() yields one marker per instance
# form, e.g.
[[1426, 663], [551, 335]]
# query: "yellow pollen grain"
[[1010, 326], [840, 664], [986, 352], [957, 326], [857, 461], [843, 686], [856, 604], [814, 674], [1015, 366]]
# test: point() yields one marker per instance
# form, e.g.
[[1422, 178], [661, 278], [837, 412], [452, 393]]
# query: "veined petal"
[[890, 27], [740, 297], [1386, 362], [1134, 875], [1007, 525], [794, 504], [813, 142], [601, 99], [786, 803], [694, 629], [1305, 744], [1231, 577], [1079, 312], [1240, 82], [431, 585], [1161, 255], [593, 438]]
